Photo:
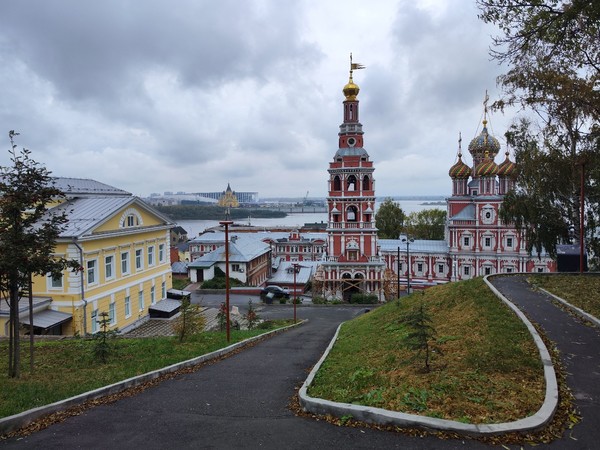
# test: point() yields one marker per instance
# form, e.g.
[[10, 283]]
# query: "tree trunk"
[[15, 370], [30, 325]]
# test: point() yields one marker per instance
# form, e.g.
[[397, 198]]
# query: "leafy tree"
[[552, 51], [421, 334], [28, 233], [426, 224], [389, 219], [251, 316], [103, 346], [190, 320]]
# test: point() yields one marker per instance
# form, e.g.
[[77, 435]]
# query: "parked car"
[[271, 292]]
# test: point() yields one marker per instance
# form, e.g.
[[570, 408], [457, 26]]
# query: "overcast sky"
[[155, 95]]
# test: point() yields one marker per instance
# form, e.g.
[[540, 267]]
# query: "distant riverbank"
[[199, 212]]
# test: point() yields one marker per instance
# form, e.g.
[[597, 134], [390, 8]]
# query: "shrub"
[[363, 299], [103, 347], [319, 300], [251, 316], [190, 320]]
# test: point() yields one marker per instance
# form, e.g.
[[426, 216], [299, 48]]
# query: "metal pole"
[[408, 268], [227, 223], [398, 279], [581, 217], [295, 266]]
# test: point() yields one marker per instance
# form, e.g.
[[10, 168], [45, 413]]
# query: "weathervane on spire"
[[354, 66], [485, 105], [459, 144]]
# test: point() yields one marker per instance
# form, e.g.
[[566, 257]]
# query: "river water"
[[196, 227]]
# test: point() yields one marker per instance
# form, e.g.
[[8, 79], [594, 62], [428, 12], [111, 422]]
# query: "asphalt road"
[[242, 401]]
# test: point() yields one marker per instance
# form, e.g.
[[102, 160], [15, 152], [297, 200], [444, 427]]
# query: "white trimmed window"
[[109, 267], [466, 241], [440, 268], [509, 242], [91, 272], [138, 259], [152, 295], [163, 290], [161, 253], [127, 306], [112, 313], [125, 263], [55, 282], [467, 270], [151, 256], [141, 300]]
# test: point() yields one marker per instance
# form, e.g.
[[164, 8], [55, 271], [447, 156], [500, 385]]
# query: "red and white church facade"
[[476, 241]]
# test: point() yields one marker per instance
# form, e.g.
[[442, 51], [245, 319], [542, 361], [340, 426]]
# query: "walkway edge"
[[22, 419], [575, 309], [385, 417]]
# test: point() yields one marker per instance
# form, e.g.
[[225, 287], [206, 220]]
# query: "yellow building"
[[229, 199], [122, 245]]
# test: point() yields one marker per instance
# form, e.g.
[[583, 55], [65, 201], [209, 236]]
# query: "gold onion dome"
[[487, 167], [351, 90], [460, 169], [507, 168], [484, 143]]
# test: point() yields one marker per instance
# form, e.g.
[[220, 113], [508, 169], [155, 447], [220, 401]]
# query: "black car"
[[271, 292]]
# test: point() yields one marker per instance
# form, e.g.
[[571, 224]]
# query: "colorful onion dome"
[[507, 168], [351, 90], [484, 143], [460, 169], [487, 167]]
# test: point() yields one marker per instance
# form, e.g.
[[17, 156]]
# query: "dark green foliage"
[[28, 233], [552, 53], [197, 212], [421, 334], [426, 224], [389, 219], [103, 340], [363, 299], [222, 316], [219, 281]]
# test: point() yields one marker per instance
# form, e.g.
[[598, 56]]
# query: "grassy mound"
[[582, 291], [487, 368]]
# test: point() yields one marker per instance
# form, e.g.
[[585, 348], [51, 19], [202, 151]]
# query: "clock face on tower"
[[351, 142], [488, 215]]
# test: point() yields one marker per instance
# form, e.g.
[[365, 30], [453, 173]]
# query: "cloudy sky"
[[155, 95]]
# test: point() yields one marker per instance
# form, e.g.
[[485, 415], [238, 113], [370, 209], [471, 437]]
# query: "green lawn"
[[582, 291], [66, 368], [488, 371]]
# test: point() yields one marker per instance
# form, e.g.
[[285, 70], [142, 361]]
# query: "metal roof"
[[85, 186], [47, 319], [242, 249], [417, 246], [166, 305], [285, 272], [467, 213], [179, 267]]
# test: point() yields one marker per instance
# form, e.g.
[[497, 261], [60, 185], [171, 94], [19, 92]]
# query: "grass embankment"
[[582, 291], [490, 370], [66, 368]]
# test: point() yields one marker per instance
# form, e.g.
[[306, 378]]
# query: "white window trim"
[[141, 300], [151, 256], [49, 283], [95, 272], [141, 259], [112, 267], [112, 313], [128, 260], [125, 302]]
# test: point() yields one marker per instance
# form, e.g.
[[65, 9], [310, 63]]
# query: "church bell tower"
[[352, 264]]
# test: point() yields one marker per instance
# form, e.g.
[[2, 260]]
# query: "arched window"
[[351, 214], [337, 184], [366, 183], [351, 183]]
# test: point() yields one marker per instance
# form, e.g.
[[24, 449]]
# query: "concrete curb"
[[575, 309], [384, 417], [16, 421]]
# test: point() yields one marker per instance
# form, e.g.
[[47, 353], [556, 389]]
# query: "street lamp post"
[[398, 274], [295, 266], [408, 242], [226, 223]]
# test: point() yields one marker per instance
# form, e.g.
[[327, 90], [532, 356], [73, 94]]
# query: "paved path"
[[242, 401], [579, 347], [239, 402]]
